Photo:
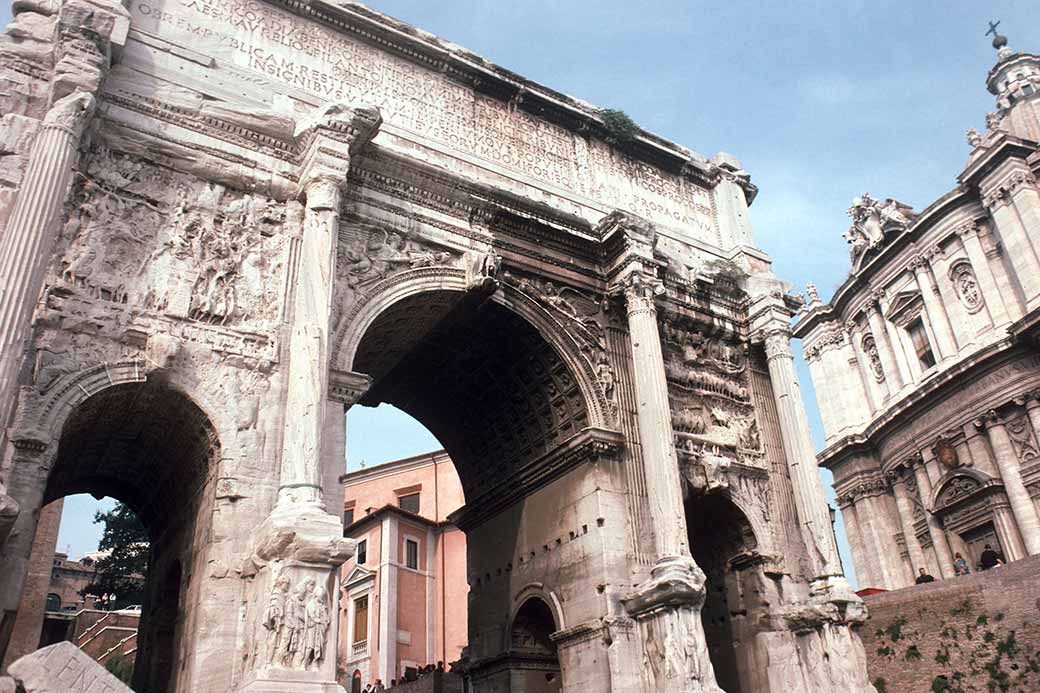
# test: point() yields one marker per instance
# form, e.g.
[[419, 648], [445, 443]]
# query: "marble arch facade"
[[197, 195]]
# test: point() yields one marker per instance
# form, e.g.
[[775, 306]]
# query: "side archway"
[[720, 536], [144, 442]]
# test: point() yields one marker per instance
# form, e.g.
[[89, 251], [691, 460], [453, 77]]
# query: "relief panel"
[[167, 244]]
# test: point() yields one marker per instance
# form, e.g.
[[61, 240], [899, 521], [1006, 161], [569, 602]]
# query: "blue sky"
[[821, 101]]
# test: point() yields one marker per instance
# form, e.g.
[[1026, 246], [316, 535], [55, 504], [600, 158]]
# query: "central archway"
[[496, 381], [151, 447], [480, 377]]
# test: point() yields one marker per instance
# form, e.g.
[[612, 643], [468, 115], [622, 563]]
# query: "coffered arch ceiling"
[[480, 377]]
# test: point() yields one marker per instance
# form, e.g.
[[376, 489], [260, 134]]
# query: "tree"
[[121, 572]]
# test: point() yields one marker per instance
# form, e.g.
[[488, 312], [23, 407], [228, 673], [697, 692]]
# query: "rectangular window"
[[361, 619], [362, 552], [919, 337], [348, 517], [409, 503], [411, 554]]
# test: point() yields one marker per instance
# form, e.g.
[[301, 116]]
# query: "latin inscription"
[[308, 56]]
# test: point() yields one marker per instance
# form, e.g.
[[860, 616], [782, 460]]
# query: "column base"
[[674, 581], [667, 608], [276, 681]]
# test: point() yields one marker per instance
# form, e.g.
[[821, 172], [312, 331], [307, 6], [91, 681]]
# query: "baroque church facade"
[[224, 222], [927, 357]]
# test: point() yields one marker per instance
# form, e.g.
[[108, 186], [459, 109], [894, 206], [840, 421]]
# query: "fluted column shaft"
[[307, 392], [933, 308], [1007, 462], [663, 483], [905, 506], [32, 229], [940, 544], [801, 458], [886, 351]]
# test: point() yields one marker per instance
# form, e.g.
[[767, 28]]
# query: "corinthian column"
[[1007, 462], [801, 458], [668, 604], [32, 228], [299, 546]]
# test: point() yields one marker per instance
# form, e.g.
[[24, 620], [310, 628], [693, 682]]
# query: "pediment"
[[905, 306], [359, 574]]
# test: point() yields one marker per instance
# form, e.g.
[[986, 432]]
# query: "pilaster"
[[1007, 461], [934, 310], [940, 544], [991, 295], [893, 370]]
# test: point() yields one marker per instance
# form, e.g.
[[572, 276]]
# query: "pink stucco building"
[[404, 594]]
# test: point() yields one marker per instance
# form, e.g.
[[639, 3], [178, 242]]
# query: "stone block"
[[64, 667], [17, 133], [46, 7], [32, 26]]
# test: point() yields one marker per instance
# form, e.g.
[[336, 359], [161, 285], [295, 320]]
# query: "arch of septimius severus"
[[223, 222]]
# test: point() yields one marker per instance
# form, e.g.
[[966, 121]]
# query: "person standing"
[[990, 558], [960, 566], [923, 577]]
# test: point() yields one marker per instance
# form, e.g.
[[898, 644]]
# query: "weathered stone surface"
[[216, 243], [64, 667]]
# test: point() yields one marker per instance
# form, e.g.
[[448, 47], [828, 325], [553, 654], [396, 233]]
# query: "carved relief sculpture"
[[963, 278]]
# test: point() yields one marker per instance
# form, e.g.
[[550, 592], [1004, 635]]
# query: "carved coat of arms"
[[946, 453]]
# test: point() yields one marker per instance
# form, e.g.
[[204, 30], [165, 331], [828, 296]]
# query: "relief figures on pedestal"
[[297, 623]]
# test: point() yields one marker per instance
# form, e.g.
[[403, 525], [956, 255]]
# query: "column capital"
[[989, 419], [1031, 399], [326, 142], [968, 229], [639, 287], [917, 264], [777, 343], [71, 113]]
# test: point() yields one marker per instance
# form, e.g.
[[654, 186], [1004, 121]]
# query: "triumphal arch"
[[224, 222]]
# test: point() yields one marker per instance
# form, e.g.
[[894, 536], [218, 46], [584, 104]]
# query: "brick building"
[[404, 594]]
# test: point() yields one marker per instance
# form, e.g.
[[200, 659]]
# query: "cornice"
[[1006, 147], [937, 388]]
